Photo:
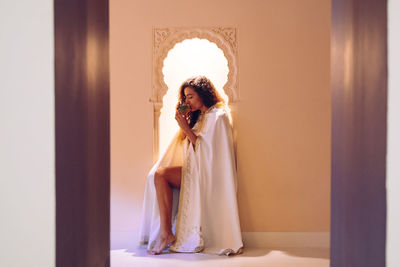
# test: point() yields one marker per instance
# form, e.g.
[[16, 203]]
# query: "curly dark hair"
[[206, 91]]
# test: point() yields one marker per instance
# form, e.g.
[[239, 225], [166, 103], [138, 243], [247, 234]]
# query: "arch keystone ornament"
[[164, 39]]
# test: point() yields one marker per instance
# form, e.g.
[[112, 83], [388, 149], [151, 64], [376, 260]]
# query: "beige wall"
[[284, 111]]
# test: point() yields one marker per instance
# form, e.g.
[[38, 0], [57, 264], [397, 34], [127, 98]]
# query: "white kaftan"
[[204, 211]]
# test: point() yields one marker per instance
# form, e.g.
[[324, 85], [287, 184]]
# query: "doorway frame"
[[82, 114], [359, 125]]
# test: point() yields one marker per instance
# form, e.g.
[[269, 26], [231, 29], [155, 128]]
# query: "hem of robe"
[[203, 250], [213, 251]]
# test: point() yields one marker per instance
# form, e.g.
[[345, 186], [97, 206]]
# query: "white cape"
[[204, 211]]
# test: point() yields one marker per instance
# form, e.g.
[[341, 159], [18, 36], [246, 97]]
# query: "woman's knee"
[[159, 176]]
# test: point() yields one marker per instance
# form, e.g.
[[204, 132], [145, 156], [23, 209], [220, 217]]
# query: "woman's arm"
[[190, 135], [182, 122]]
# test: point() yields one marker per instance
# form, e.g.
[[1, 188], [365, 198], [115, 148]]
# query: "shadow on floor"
[[123, 241], [316, 253]]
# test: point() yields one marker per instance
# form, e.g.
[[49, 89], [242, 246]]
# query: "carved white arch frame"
[[164, 39]]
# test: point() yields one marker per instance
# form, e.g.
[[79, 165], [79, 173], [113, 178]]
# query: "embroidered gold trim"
[[196, 144], [201, 123], [182, 136], [141, 243], [203, 117], [182, 229], [230, 252]]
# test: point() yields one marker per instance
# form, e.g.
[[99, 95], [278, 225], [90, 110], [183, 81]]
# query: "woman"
[[190, 197]]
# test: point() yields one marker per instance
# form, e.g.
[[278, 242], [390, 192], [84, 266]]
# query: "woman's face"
[[193, 100]]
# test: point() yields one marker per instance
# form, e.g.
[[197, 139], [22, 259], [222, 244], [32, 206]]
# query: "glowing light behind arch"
[[189, 58]]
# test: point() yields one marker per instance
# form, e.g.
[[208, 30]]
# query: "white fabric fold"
[[205, 214]]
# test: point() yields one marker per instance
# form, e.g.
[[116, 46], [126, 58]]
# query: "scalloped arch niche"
[[174, 51], [186, 59]]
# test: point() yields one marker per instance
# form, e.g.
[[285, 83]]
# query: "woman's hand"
[[182, 121]]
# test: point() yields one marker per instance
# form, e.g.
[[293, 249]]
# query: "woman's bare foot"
[[162, 242]]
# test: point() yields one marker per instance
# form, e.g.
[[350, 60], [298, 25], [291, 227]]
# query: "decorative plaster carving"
[[160, 35], [229, 35], [164, 39]]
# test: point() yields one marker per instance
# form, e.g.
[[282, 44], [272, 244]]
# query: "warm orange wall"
[[283, 115]]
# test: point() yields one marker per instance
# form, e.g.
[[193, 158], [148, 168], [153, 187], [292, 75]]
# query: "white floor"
[[285, 257]]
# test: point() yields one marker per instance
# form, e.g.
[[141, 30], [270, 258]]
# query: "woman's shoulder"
[[219, 112], [218, 109]]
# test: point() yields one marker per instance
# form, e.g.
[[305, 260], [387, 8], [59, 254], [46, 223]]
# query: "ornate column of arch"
[[164, 39]]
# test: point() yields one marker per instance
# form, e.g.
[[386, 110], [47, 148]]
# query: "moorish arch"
[[164, 39]]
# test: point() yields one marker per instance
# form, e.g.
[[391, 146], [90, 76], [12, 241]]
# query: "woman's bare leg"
[[164, 180]]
